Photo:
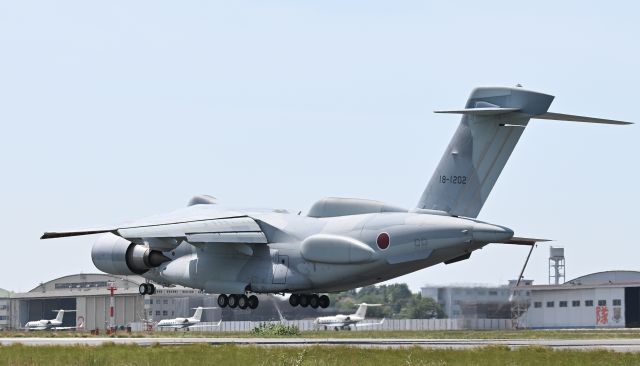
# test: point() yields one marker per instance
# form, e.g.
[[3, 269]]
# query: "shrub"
[[271, 329]]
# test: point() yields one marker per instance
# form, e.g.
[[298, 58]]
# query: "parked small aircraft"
[[188, 323], [345, 322], [51, 324]]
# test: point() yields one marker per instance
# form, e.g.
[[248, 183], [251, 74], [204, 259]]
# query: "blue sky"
[[116, 110]]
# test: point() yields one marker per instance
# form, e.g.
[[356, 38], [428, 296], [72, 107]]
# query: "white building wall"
[[576, 316], [4, 313]]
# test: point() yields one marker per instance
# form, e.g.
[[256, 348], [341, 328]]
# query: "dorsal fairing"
[[337, 206]]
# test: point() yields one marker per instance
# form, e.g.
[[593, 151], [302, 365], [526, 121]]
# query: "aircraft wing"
[[215, 227], [206, 325], [370, 324], [66, 328], [34, 328], [334, 324]]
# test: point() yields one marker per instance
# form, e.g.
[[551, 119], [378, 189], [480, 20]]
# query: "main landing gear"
[[238, 301], [147, 289], [313, 300]]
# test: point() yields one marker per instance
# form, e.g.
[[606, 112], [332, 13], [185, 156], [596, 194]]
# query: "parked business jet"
[[345, 322], [188, 323], [51, 324]]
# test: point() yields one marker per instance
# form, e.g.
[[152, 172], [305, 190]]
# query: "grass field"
[[449, 334], [250, 355]]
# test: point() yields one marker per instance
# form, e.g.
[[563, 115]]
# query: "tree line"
[[397, 302]]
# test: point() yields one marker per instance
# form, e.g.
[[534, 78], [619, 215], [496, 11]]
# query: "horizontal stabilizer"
[[63, 234], [574, 118], [480, 111], [523, 241]]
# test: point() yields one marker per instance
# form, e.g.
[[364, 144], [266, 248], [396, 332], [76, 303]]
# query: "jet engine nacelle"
[[116, 255]]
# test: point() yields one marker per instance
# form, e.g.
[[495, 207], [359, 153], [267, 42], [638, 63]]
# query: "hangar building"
[[597, 300], [88, 296]]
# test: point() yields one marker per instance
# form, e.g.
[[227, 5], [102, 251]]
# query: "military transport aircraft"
[[345, 322], [188, 323], [50, 324], [342, 243]]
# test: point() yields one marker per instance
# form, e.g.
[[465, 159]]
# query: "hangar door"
[[632, 307]]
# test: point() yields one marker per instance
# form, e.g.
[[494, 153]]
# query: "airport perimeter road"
[[621, 345]]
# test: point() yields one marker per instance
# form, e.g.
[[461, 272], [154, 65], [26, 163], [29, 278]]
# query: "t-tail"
[[198, 314], [60, 315], [492, 122], [362, 309]]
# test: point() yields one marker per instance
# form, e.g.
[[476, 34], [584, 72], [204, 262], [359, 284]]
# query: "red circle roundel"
[[383, 241]]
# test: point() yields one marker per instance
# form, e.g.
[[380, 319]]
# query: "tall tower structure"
[[556, 266]]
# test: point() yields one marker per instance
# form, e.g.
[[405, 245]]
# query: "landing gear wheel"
[[304, 301], [223, 301], [294, 300], [253, 302], [143, 289], [243, 301], [151, 289], [233, 301], [314, 301], [324, 301]]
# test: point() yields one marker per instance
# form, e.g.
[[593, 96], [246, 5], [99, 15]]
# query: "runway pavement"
[[621, 345]]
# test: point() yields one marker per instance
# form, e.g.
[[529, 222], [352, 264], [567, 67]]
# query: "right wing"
[[206, 325], [370, 324], [193, 227]]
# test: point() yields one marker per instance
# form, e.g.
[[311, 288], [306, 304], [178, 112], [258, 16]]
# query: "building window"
[[157, 312], [537, 304], [151, 301], [588, 303], [164, 313], [493, 293], [575, 303], [602, 302], [150, 312], [563, 304], [617, 302], [3, 307], [3, 317], [165, 301], [550, 304]]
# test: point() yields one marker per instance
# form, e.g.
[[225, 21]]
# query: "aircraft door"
[[280, 268]]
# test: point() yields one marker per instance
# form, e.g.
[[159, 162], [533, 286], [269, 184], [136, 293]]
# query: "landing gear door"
[[280, 268]]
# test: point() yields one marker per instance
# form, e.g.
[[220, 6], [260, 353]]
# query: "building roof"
[[83, 284], [594, 280], [4, 293], [93, 284], [606, 277]]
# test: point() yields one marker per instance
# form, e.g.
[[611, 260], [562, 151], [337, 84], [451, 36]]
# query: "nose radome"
[[490, 233]]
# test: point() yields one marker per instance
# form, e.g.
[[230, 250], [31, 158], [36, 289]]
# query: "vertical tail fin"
[[362, 309], [493, 121], [60, 315], [198, 314]]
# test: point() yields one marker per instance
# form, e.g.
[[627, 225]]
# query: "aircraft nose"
[[490, 233]]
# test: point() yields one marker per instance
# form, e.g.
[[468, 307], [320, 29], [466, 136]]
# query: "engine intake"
[[116, 255]]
